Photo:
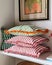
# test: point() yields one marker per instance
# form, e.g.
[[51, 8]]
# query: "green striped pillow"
[[5, 37]]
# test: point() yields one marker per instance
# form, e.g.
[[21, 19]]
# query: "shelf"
[[40, 60]]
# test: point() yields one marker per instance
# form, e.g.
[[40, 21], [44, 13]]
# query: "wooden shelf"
[[40, 60]]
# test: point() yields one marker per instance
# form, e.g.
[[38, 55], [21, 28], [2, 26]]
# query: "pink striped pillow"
[[34, 52], [24, 44], [36, 40]]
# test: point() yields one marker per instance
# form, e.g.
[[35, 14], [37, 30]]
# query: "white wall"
[[6, 19]]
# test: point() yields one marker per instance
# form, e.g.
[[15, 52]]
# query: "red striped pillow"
[[34, 52], [36, 40]]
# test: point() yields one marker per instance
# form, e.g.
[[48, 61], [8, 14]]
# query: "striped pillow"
[[5, 37], [36, 40], [34, 52]]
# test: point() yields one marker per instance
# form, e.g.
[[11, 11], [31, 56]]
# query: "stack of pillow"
[[27, 40]]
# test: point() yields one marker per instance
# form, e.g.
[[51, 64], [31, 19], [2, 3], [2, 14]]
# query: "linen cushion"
[[5, 37], [23, 40], [28, 30], [33, 52]]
